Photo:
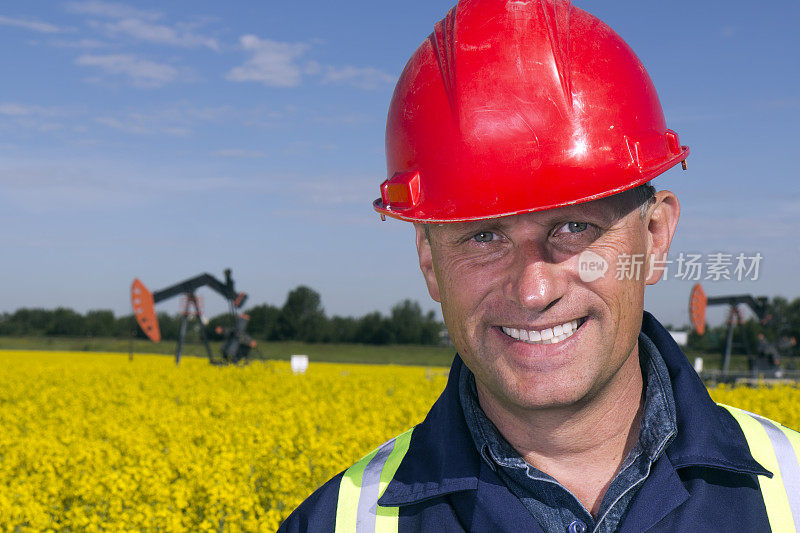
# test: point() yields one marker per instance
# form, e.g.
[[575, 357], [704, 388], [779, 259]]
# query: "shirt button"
[[576, 527]]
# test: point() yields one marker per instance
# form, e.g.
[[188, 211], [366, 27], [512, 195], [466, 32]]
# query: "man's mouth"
[[552, 335]]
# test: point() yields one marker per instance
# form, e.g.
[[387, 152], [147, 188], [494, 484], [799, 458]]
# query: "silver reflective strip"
[[370, 482], [787, 462]]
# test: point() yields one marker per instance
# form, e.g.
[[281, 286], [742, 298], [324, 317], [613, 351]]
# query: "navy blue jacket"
[[705, 481]]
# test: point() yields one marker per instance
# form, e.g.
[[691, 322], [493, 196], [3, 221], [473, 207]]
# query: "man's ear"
[[661, 223], [425, 254]]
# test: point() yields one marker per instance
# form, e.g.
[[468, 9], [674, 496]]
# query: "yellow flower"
[[94, 442]]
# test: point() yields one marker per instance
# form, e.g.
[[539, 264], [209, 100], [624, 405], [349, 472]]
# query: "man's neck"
[[581, 446]]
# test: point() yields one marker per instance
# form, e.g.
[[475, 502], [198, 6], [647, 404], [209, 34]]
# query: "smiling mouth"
[[552, 335]]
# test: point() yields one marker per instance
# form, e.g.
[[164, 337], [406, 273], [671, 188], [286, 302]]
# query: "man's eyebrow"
[[491, 224]]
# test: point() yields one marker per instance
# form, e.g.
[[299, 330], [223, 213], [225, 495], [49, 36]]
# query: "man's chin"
[[543, 393]]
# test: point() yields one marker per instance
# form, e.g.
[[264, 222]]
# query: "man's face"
[[534, 333]]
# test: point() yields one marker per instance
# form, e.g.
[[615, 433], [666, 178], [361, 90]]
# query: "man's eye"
[[573, 227], [484, 236]]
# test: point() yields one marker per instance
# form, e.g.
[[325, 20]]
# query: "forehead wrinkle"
[[572, 213], [610, 211]]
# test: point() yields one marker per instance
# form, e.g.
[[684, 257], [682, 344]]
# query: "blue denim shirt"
[[553, 506]]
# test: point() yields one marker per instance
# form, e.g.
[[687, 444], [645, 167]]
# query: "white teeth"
[[545, 336]]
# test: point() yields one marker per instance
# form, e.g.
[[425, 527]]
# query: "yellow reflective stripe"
[[352, 490], [388, 517], [772, 489], [393, 462], [388, 520], [349, 491], [785, 443]]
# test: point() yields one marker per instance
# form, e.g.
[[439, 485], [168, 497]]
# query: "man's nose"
[[534, 280]]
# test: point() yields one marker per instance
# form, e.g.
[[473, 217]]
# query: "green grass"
[[340, 353]]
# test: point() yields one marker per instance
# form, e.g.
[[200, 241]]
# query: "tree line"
[[300, 318]]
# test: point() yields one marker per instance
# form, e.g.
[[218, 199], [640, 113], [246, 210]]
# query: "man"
[[520, 141]]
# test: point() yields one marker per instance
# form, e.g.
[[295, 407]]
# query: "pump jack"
[[237, 344], [698, 301]]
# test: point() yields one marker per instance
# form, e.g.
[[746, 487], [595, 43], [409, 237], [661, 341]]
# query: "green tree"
[[374, 328], [30, 321], [409, 325], [263, 321], [100, 323], [302, 317], [66, 322], [343, 329]]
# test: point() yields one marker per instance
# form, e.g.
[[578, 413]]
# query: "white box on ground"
[[680, 337], [299, 364]]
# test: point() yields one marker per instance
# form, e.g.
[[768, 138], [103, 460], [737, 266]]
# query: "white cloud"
[[140, 25], [360, 77], [160, 34], [83, 187], [278, 64], [240, 153], [359, 191], [33, 25], [18, 117], [140, 124], [111, 10], [779, 104], [273, 63], [353, 118], [61, 188], [307, 148], [12, 109], [15, 109], [177, 119], [142, 72], [81, 43]]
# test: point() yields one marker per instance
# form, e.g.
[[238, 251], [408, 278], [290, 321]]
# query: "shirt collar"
[[658, 424]]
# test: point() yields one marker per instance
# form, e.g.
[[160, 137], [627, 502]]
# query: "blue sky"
[[162, 140]]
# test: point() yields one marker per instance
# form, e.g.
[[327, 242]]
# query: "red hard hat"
[[513, 106]]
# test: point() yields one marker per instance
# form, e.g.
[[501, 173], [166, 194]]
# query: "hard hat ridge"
[[556, 16], [517, 106], [443, 42]]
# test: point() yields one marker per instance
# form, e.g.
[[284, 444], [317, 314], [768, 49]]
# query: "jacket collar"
[[442, 457], [707, 435]]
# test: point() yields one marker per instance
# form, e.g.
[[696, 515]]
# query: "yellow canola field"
[[93, 442]]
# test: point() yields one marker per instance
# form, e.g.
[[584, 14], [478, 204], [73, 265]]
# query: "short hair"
[[643, 196]]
